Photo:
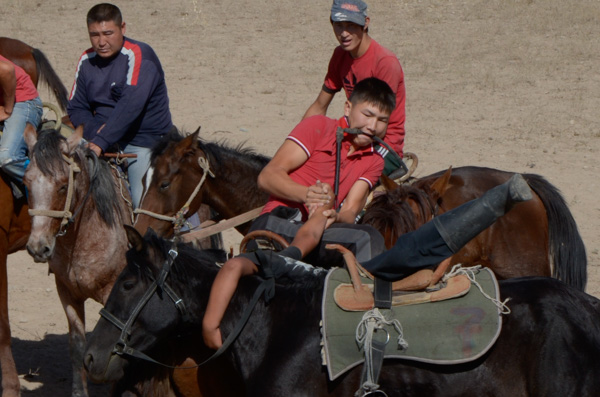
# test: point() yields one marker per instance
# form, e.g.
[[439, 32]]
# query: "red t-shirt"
[[25, 90], [345, 71], [316, 136]]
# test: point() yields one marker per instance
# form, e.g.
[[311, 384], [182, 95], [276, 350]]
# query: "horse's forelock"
[[48, 150]]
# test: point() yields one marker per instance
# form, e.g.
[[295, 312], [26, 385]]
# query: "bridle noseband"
[[178, 220], [66, 215], [121, 346]]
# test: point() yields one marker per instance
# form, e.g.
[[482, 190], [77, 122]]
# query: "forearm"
[[315, 109], [279, 184], [8, 83]]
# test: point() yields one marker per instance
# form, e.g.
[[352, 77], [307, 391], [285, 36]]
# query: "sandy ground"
[[505, 84]]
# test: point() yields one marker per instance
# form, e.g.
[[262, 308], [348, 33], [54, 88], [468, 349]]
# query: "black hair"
[[104, 12], [374, 91]]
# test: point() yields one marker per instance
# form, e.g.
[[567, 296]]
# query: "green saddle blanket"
[[448, 332]]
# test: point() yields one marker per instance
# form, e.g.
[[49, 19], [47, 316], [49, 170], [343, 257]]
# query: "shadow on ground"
[[45, 370]]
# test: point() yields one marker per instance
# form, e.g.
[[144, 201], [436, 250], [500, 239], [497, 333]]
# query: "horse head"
[[404, 207], [49, 178], [149, 301], [174, 174]]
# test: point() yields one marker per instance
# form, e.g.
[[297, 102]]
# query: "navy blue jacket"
[[127, 93]]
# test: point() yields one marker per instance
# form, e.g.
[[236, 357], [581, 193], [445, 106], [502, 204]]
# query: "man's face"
[[106, 37], [368, 118], [349, 34]]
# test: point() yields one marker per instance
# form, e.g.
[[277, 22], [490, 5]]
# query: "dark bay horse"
[[36, 65], [548, 345], [175, 171], [78, 207], [536, 238]]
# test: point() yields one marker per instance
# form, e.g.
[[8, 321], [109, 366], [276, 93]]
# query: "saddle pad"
[[447, 332]]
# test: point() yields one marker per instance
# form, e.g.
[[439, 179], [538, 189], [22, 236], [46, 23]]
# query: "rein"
[[122, 347], [178, 220], [66, 215], [339, 136]]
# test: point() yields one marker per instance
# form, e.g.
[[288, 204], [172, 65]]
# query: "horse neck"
[[234, 188]]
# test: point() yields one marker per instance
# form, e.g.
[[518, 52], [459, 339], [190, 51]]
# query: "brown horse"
[[15, 225], [36, 65], [176, 170], [538, 237], [78, 208]]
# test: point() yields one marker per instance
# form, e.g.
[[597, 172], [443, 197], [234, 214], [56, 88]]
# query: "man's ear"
[[347, 108], [366, 27]]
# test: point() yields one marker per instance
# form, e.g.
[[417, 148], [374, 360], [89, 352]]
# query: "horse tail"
[[567, 251], [49, 76]]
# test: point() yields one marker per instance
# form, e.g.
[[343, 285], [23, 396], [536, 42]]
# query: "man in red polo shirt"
[[308, 156], [358, 57]]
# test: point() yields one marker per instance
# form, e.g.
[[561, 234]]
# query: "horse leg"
[[10, 380], [74, 309]]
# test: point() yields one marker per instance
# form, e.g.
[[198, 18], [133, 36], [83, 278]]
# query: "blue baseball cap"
[[354, 11]]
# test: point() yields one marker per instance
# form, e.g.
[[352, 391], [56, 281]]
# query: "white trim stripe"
[[300, 144]]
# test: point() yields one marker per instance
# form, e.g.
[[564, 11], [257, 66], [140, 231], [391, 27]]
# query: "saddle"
[[426, 285]]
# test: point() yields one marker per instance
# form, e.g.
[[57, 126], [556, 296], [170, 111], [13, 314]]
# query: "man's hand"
[[319, 194], [95, 148], [4, 115]]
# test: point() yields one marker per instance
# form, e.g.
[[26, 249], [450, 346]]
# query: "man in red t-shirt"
[[308, 156], [19, 104], [357, 57]]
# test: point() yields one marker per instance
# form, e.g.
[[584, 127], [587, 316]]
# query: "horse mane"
[[392, 211], [48, 154], [194, 267], [220, 151]]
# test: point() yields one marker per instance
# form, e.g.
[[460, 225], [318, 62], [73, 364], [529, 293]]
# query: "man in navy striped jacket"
[[119, 94]]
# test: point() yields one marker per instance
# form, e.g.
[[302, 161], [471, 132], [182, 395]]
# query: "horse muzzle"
[[41, 249]]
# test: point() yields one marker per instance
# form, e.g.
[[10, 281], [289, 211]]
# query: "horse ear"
[[134, 237], [388, 183], [442, 184], [188, 145], [75, 139], [30, 135]]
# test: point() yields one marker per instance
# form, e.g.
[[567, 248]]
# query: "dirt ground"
[[508, 84]]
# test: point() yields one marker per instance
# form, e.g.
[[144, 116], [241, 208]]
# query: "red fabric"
[[316, 136], [345, 71], [25, 89]]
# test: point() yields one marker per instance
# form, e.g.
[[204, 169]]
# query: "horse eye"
[[165, 185], [128, 285], [63, 188]]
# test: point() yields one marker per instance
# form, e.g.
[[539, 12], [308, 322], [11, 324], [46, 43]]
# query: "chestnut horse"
[[536, 238], [548, 344], [14, 217], [230, 187], [36, 65], [78, 208]]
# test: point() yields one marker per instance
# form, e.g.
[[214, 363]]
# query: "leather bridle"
[[178, 220]]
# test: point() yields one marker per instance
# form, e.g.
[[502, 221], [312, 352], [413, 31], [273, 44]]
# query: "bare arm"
[[309, 235], [320, 105], [8, 83], [275, 178], [354, 203]]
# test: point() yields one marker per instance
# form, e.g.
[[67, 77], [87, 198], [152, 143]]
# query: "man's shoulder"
[[381, 52]]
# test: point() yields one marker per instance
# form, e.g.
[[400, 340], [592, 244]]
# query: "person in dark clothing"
[[119, 94]]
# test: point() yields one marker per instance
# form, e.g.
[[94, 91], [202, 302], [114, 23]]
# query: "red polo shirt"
[[25, 90], [316, 136], [345, 71]]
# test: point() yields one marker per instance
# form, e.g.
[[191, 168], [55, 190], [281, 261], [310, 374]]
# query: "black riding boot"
[[462, 224], [448, 233]]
